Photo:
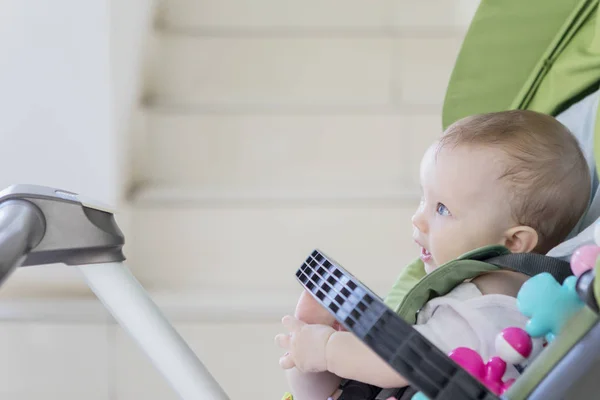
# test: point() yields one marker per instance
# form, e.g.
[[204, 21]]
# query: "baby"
[[515, 178]]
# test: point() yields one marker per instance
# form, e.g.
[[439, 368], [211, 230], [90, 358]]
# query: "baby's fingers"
[[283, 341], [286, 361], [292, 324]]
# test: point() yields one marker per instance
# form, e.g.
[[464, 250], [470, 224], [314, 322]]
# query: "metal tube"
[[22, 227], [133, 309]]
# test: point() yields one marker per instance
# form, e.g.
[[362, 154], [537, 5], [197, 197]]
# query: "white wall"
[[69, 82], [70, 79], [130, 56], [57, 126]]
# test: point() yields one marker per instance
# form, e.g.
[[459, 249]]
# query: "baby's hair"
[[548, 175]]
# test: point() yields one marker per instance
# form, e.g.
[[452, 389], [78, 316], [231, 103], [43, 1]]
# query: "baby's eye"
[[442, 210]]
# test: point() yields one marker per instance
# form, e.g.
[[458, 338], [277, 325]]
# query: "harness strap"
[[532, 264]]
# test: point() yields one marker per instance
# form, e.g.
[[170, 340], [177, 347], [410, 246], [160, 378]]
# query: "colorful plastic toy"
[[418, 396], [490, 373], [514, 345], [584, 259], [548, 304]]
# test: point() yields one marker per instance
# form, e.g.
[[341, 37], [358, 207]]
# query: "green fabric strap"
[[408, 278]]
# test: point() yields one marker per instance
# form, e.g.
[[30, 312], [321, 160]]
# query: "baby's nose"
[[419, 222]]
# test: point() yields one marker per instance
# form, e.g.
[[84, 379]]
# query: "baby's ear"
[[521, 239]]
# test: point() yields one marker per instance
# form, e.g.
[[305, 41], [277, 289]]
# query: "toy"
[[548, 304], [490, 373], [513, 345], [417, 396], [584, 259]]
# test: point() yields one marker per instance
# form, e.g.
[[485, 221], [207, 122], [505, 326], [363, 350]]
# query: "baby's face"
[[463, 206]]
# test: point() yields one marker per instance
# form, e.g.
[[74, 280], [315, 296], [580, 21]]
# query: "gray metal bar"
[[22, 227]]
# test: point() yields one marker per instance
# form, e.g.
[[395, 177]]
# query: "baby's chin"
[[430, 266]]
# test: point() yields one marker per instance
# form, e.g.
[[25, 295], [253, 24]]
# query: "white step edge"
[[165, 195], [199, 305], [163, 28], [155, 105]]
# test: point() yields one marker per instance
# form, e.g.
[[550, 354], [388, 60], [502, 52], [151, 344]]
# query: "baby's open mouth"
[[425, 255]]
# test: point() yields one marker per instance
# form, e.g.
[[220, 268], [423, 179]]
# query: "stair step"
[[287, 72], [332, 14], [188, 247], [285, 157]]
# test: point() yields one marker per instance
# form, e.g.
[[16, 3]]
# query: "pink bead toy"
[[513, 345], [490, 373], [584, 259]]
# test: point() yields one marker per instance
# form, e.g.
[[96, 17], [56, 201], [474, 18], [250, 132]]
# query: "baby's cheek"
[[439, 252]]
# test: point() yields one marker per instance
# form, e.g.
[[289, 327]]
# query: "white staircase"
[[273, 127], [270, 128]]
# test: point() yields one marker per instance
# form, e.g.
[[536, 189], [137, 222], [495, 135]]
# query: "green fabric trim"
[[579, 325], [408, 278], [438, 283]]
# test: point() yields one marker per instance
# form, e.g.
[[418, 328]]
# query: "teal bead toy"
[[548, 304]]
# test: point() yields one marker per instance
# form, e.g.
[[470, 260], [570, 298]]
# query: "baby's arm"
[[312, 385], [350, 358], [467, 319], [318, 348]]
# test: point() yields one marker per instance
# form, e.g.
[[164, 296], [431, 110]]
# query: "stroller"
[[555, 70]]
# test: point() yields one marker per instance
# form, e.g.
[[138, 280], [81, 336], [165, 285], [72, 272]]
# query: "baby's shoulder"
[[467, 303], [500, 282]]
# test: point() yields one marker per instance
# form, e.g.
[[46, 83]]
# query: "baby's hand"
[[305, 345]]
